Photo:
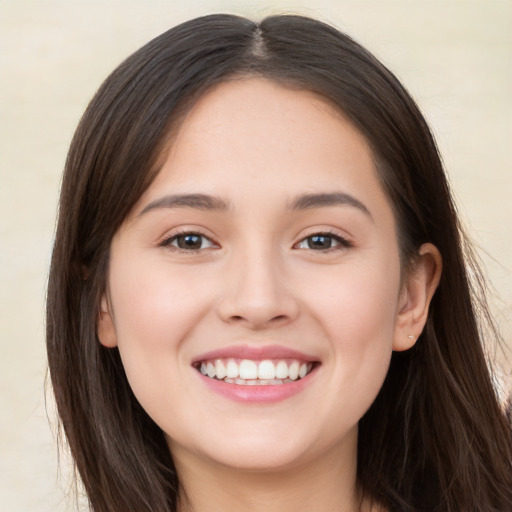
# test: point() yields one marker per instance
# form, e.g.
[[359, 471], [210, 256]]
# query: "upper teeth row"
[[247, 369]]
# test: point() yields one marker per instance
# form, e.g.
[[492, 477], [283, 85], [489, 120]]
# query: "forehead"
[[253, 136], [259, 108]]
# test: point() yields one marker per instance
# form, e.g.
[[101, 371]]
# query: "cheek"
[[153, 305], [155, 311], [359, 300], [358, 315]]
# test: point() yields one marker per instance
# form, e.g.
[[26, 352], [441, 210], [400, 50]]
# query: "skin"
[[257, 146]]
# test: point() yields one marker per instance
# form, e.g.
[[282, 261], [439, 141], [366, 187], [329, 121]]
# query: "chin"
[[259, 451], [260, 459]]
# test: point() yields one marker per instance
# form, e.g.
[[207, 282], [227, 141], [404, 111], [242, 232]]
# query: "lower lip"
[[257, 394]]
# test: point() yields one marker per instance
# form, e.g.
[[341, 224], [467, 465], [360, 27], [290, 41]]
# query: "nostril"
[[277, 318]]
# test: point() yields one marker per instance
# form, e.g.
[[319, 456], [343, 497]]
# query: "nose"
[[257, 294]]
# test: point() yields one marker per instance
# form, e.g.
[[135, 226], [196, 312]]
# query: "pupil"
[[319, 242], [189, 242]]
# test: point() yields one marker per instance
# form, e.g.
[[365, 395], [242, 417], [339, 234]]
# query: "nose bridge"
[[256, 292]]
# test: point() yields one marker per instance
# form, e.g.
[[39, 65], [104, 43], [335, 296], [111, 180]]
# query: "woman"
[[258, 297]]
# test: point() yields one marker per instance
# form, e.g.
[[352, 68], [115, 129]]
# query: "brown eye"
[[322, 242], [189, 242]]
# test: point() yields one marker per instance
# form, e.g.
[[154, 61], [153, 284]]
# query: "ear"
[[105, 325], [417, 291]]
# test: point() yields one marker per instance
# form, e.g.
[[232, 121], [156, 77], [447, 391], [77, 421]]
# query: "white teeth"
[[220, 369], [248, 372], [232, 370], [266, 370], [253, 382], [210, 370], [281, 370], [293, 371]]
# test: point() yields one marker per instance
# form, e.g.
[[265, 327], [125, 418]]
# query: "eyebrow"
[[212, 203], [196, 201], [322, 200]]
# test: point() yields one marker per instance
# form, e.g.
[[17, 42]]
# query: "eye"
[[323, 242], [188, 241]]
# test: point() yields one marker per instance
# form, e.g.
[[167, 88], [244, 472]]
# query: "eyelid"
[[342, 241], [166, 242]]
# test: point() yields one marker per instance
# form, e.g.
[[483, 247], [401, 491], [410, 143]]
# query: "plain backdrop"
[[455, 57]]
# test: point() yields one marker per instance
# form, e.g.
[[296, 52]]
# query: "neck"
[[322, 485]]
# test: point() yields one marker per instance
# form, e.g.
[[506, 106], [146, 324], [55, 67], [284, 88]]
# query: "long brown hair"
[[435, 437]]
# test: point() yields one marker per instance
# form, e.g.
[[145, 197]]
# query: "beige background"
[[455, 56]]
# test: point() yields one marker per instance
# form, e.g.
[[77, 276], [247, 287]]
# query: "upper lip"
[[257, 353]]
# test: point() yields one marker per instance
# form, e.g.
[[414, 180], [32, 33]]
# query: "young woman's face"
[[265, 255]]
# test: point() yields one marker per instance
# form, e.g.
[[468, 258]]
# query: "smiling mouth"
[[247, 372]]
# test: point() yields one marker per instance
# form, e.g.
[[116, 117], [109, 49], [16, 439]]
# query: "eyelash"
[[168, 242], [341, 243]]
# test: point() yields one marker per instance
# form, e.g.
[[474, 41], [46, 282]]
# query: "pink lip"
[[258, 394], [255, 353]]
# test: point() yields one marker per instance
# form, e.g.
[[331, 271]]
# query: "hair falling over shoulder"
[[435, 438]]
